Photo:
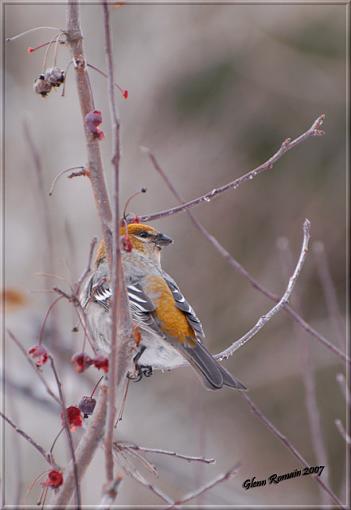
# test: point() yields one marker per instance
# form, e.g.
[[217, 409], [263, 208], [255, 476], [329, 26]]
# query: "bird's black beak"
[[162, 240]]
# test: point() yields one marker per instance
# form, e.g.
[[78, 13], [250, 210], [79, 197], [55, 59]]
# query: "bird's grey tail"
[[213, 374]]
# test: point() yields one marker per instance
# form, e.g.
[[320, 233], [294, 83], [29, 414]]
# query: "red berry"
[[39, 354], [54, 479], [101, 362], [81, 362], [74, 417], [30, 50], [125, 94]]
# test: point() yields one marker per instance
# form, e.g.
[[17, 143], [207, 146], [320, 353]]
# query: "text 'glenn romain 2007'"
[[274, 478]]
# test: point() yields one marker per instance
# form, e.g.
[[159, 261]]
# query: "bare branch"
[[47, 456], [188, 458], [84, 451], [268, 316], [240, 269], [121, 323], [219, 479], [287, 145], [308, 377], [289, 446], [283, 301], [97, 178], [68, 432]]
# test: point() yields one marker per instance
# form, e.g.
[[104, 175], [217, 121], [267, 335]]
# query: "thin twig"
[[109, 496], [188, 458], [9, 39], [287, 145], [120, 318], [49, 246], [68, 432], [105, 76], [219, 479], [85, 450], [29, 393], [343, 432], [133, 453], [329, 292], [240, 269], [140, 479], [88, 268], [33, 365], [97, 178], [288, 445], [344, 388], [53, 184], [48, 457]]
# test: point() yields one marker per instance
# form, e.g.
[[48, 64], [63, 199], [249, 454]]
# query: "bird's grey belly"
[[158, 352]]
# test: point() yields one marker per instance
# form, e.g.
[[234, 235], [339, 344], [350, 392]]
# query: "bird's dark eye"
[[143, 234]]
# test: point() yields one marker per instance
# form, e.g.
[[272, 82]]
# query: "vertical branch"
[[121, 325], [96, 173]]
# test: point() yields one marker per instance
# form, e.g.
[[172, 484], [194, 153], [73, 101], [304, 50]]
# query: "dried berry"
[[101, 362], [81, 362], [39, 355], [74, 417], [42, 86], [55, 76], [87, 406], [54, 479]]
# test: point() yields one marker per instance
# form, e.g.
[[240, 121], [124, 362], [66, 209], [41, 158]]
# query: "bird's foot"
[[140, 371]]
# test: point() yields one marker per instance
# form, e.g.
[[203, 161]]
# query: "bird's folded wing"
[[183, 305]]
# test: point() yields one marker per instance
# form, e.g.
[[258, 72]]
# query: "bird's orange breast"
[[172, 320]]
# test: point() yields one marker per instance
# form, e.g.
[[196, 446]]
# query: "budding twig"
[[287, 145], [240, 269]]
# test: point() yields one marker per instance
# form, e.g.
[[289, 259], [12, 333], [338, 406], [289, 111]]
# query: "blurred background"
[[213, 91]]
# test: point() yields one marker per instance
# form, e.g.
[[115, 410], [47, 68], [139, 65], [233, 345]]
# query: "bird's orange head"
[[143, 238]]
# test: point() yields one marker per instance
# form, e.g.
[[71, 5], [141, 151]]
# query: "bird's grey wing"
[[141, 307], [183, 305]]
